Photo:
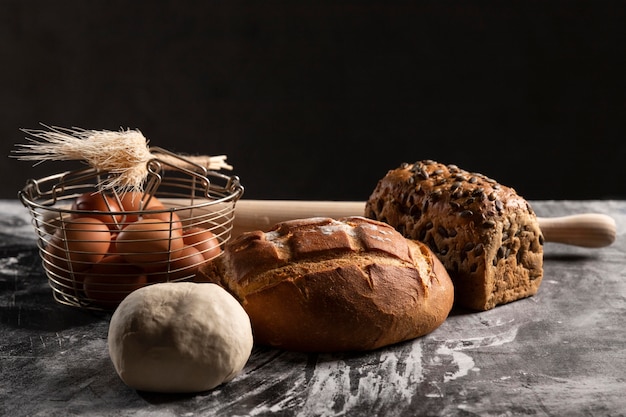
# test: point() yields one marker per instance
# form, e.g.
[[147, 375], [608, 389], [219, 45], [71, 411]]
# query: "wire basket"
[[98, 245]]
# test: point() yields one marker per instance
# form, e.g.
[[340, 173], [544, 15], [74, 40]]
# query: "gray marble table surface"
[[559, 353]]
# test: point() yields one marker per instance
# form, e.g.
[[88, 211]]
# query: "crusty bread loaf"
[[323, 285], [485, 234]]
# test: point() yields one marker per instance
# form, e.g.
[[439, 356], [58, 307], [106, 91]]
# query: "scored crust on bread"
[[323, 285], [484, 233]]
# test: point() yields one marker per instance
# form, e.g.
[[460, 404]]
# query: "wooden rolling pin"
[[589, 230]]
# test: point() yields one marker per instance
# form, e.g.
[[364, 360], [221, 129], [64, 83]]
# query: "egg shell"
[[184, 265], [131, 201], [63, 276], [52, 220], [147, 243], [166, 216], [203, 240], [100, 202], [154, 209], [86, 240], [109, 281]]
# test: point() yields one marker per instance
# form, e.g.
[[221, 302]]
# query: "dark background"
[[318, 100]]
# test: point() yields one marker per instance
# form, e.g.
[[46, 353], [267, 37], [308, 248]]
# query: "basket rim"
[[31, 192]]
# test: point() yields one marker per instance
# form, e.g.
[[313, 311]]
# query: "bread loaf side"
[[484, 233], [323, 285]]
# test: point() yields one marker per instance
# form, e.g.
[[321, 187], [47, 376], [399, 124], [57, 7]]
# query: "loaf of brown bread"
[[324, 285], [485, 234]]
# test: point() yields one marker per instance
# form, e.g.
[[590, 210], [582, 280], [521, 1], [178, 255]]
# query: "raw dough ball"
[[179, 337]]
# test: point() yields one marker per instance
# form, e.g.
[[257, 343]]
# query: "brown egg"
[[52, 220], [112, 249], [167, 217], [98, 201], [131, 201], [86, 240], [61, 274], [109, 281], [147, 243], [203, 240], [184, 265]]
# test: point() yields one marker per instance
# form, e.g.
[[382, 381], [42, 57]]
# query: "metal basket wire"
[[189, 206]]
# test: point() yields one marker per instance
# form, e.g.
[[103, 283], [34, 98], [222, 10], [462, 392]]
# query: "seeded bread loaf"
[[324, 285], [484, 233]]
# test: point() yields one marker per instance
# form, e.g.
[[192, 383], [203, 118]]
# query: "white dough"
[[179, 337]]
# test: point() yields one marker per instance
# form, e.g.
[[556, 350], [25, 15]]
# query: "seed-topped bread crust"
[[323, 285], [485, 234]]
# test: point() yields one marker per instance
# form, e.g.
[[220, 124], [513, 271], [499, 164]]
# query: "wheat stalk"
[[124, 153]]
